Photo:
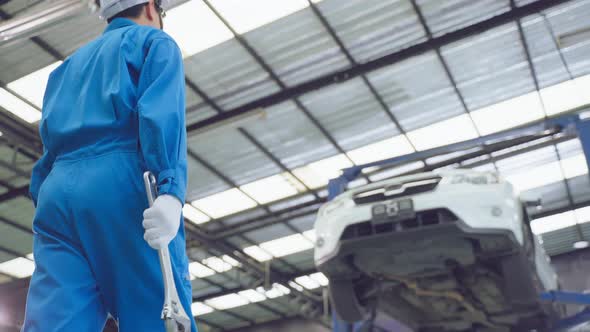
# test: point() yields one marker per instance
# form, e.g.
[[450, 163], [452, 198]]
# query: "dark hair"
[[131, 12]]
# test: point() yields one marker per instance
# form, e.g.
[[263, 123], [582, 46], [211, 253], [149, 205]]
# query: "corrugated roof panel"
[[548, 65], [21, 59], [417, 91], [304, 223], [224, 319], [255, 312], [201, 182], [19, 210], [553, 196], [490, 67], [560, 241], [16, 7], [16, 239], [290, 136], [523, 161], [351, 114], [5, 257], [373, 28], [229, 75], [233, 155], [67, 40], [580, 188], [569, 148], [569, 18], [297, 47], [269, 233], [199, 113], [447, 16]]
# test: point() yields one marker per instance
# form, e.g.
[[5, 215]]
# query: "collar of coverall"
[[119, 23]]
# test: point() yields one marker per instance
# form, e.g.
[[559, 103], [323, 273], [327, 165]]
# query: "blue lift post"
[[570, 124]]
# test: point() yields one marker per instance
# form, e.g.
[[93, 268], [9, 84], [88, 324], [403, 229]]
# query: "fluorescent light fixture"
[[307, 282], [310, 235], [389, 148], [195, 27], [19, 267], [270, 189], [277, 290], [32, 87], [583, 215], [18, 107], [230, 261], [509, 113], [320, 278], [574, 166], [317, 174], [244, 16], [296, 286], [252, 296], [453, 130], [226, 301], [563, 97], [217, 264], [200, 308], [193, 215], [224, 203], [258, 253], [581, 245], [287, 245], [553, 223], [535, 177], [198, 270]]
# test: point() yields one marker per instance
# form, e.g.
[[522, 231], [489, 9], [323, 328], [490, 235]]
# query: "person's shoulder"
[[150, 35]]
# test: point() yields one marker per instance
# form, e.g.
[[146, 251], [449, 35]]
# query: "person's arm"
[[161, 112], [39, 174]]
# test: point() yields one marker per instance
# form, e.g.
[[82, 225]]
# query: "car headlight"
[[483, 179]]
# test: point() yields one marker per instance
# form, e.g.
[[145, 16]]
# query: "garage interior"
[[283, 95]]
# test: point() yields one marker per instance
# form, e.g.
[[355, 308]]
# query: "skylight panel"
[[200, 308], [389, 148], [310, 235], [252, 296], [227, 301], [307, 282], [317, 174], [446, 132], [583, 215], [194, 215], [224, 203], [320, 278], [535, 177], [296, 286], [287, 245], [553, 223], [508, 114], [18, 107], [19, 267], [244, 16], [277, 290], [258, 253], [217, 264], [270, 189], [195, 27], [563, 97], [198, 270], [230, 261], [32, 87], [574, 166]]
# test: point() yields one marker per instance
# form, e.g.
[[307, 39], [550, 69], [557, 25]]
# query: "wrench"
[[173, 314]]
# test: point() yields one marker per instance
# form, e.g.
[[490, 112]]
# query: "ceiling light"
[[307, 282], [32, 87], [18, 107], [19, 267], [217, 264], [224, 203], [230, 261], [553, 222], [193, 215], [200, 308], [320, 278], [583, 215], [277, 290], [581, 245], [296, 286], [227, 301]]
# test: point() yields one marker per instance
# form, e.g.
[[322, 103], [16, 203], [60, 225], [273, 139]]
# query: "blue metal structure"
[[570, 124]]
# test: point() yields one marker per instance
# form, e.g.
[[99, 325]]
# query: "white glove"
[[161, 221]]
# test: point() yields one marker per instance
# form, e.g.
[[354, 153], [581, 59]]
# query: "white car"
[[447, 251]]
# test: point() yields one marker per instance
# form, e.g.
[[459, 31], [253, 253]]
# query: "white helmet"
[[110, 8]]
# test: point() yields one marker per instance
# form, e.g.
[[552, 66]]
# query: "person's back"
[[112, 110]]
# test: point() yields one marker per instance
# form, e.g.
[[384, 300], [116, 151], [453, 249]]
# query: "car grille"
[[423, 219], [396, 191]]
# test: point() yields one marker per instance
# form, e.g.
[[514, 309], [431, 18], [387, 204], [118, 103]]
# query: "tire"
[[346, 302]]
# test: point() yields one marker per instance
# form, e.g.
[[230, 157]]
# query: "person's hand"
[[161, 221]]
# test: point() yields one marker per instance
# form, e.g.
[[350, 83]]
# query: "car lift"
[[571, 125]]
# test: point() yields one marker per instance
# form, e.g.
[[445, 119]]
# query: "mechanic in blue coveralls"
[[111, 111]]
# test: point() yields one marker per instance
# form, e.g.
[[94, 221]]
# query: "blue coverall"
[[111, 111]]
